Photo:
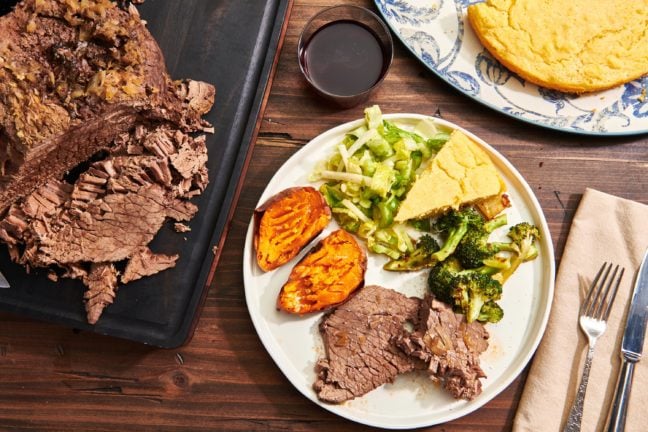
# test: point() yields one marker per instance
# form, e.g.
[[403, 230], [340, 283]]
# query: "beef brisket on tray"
[[85, 83]]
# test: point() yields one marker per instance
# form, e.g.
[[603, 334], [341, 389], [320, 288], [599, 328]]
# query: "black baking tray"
[[231, 44]]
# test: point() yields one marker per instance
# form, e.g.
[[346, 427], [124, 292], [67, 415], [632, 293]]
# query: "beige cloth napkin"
[[605, 228]]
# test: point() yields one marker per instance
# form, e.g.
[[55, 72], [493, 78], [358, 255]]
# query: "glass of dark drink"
[[345, 53]]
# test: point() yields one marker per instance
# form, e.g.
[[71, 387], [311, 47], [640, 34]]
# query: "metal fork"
[[594, 312]]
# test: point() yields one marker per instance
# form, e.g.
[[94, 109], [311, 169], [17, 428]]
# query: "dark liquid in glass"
[[344, 58]]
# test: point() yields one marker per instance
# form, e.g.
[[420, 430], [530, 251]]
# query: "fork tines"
[[599, 299]]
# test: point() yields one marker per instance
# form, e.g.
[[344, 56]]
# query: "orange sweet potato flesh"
[[326, 276], [286, 223]]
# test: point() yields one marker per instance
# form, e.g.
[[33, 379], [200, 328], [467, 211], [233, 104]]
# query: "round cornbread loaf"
[[572, 46]]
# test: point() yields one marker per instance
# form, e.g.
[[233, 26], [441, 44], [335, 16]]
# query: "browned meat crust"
[[73, 77]]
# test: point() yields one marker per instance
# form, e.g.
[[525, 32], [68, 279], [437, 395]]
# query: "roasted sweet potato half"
[[286, 223], [326, 276]]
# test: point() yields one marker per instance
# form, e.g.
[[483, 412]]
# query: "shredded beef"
[[181, 228], [449, 346], [145, 263], [109, 215], [101, 281]]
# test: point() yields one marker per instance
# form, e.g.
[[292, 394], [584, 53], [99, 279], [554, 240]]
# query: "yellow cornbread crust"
[[461, 173], [573, 46]]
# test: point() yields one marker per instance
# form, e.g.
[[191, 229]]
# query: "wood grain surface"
[[54, 378]]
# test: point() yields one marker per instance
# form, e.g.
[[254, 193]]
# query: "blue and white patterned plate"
[[437, 33]]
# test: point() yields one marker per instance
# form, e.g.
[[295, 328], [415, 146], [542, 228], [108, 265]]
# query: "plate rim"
[[490, 105], [547, 273]]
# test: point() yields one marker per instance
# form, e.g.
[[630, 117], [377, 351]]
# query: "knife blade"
[[3, 281], [631, 347]]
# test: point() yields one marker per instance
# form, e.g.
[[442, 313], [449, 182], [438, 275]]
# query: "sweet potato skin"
[[286, 223], [326, 276]]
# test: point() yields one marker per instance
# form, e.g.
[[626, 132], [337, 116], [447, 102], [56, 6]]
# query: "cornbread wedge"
[[461, 173], [572, 46]]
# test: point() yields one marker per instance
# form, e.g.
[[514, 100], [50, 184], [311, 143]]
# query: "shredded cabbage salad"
[[369, 174]]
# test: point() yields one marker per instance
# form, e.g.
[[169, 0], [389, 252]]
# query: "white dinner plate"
[[412, 400], [439, 35]]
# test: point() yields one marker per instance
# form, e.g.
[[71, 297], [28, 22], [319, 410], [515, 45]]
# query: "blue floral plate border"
[[437, 34]]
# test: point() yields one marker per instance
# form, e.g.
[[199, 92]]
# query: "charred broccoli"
[[468, 290], [470, 270], [418, 259], [490, 312], [523, 236], [454, 225], [472, 291], [474, 248], [442, 278]]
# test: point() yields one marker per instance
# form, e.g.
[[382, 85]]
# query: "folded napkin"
[[605, 228]]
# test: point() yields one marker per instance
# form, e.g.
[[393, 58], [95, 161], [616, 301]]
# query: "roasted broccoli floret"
[[423, 225], [454, 225], [490, 312], [442, 279], [523, 236], [467, 290], [474, 247], [471, 278], [472, 291], [419, 258]]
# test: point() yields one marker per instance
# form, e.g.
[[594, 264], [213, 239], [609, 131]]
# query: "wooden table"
[[54, 378]]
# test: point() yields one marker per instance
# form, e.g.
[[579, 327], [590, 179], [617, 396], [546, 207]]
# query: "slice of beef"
[[101, 281], [181, 228], [111, 212], [358, 337], [74, 76], [145, 263], [114, 209], [111, 229], [449, 346]]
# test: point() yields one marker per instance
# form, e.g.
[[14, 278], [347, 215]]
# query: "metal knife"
[[3, 281], [631, 348]]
